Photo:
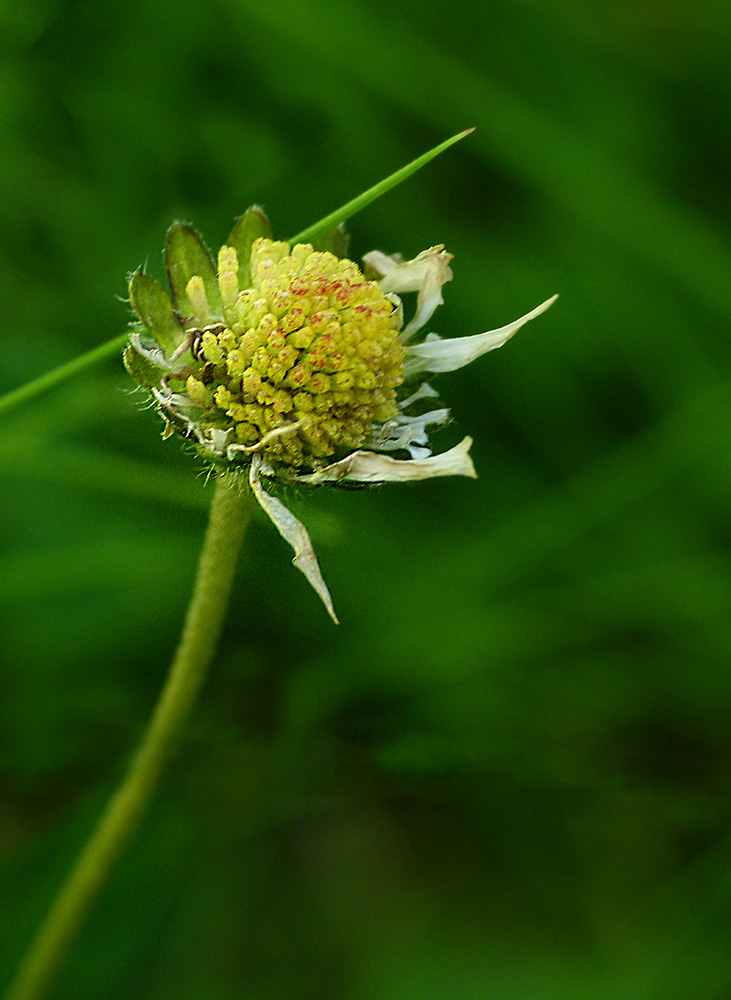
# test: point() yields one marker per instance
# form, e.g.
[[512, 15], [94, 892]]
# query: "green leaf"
[[155, 308], [334, 240], [186, 255], [145, 372], [359, 203], [250, 226]]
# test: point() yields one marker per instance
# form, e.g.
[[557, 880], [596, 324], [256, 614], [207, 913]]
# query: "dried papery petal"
[[425, 274], [402, 433], [424, 391], [380, 263], [408, 276], [294, 532], [446, 355], [370, 467]]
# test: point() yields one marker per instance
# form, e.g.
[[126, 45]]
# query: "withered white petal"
[[369, 467], [172, 400], [425, 274], [403, 432], [437, 355], [417, 453], [380, 262], [424, 391], [294, 532], [408, 275], [430, 297]]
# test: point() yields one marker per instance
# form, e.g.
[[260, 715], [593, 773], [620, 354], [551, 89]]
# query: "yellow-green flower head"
[[311, 349], [294, 363]]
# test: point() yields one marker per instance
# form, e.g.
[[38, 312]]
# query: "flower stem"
[[230, 514]]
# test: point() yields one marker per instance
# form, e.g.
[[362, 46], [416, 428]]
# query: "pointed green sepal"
[[334, 240], [250, 226], [145, 372], [186, 257], [154, 307]]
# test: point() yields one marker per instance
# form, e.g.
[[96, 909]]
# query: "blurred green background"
[[506, 775]]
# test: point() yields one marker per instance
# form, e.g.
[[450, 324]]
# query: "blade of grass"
[[53, 378], [49, 380], [357, 204]]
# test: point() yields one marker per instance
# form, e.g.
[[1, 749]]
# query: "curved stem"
[[230, 514]]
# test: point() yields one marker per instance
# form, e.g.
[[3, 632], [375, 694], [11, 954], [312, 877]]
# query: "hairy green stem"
[[230, 514]]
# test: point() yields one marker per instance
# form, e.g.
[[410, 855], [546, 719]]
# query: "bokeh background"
[[506, 775]]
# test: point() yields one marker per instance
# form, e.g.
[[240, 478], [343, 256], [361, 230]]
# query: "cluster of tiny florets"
[[311, 345]]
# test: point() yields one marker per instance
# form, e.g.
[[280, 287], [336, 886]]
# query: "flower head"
[[294, 364]]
